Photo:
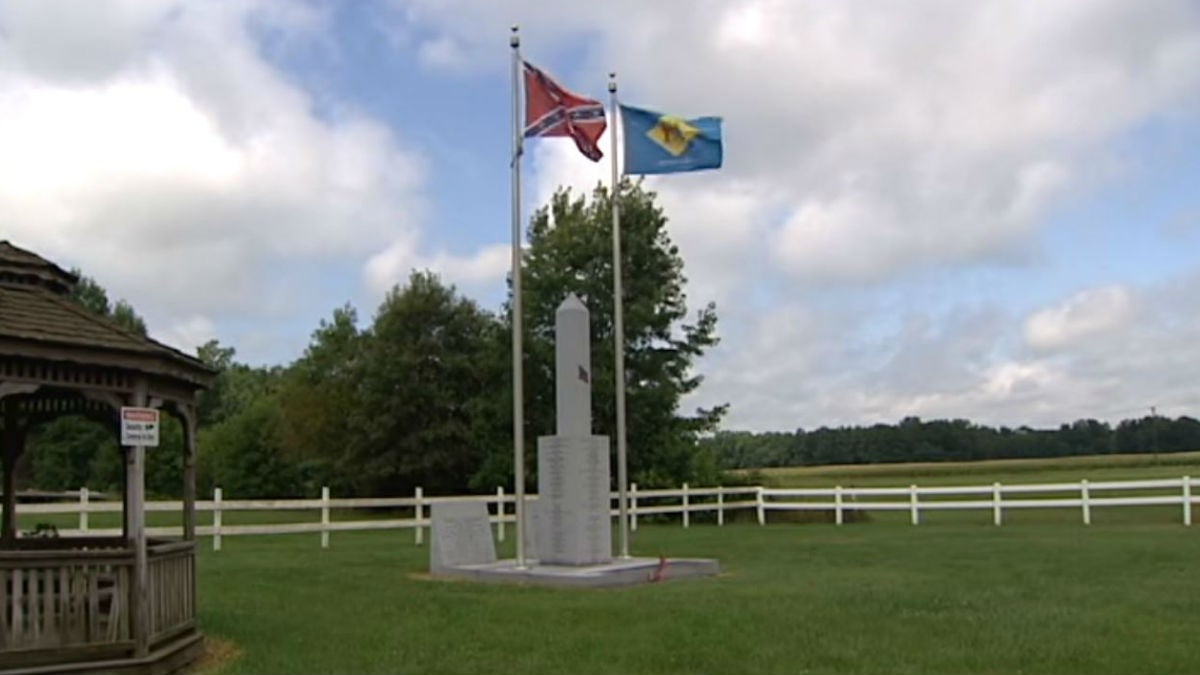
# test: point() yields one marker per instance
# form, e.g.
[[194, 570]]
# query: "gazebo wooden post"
[[135, 491], [9, 442], [188, 416], [126, 512], [12, 444], [187, 413]]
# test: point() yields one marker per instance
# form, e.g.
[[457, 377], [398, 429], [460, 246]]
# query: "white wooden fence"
[[685, 501]]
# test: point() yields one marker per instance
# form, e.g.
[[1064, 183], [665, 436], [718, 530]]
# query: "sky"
[[984, 210]]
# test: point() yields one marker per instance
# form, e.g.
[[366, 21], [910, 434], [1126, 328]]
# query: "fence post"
[[761, 506], [686, 518], [633, 507], [837, 505], [420, 533], [997, 513], [1187, 500], [912, 499], [217, 519], [500, 512], [720, 506], [1087, 505], [324, 517], [83, 509]]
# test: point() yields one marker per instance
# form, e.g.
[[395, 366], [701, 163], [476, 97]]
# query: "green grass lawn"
[[866, 598]]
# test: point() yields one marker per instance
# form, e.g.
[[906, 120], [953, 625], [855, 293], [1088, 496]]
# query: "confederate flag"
[[551, 110]]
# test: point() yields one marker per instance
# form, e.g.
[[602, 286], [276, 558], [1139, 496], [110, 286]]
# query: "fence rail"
[[683, 502]]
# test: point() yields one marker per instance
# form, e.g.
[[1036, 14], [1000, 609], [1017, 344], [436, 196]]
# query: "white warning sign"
[[139, 426]]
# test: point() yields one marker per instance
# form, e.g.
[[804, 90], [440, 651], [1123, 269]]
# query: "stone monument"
[[568, 533], [574, 525], [461, 534]]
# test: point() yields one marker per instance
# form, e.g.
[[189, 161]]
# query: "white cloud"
[[442, 53], [1108, 352], [77, 42], [156, 132], [485, 268], [1083, 316], [186, 334]]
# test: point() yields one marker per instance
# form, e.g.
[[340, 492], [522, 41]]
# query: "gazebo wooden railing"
[[71, 599], [76, 604]]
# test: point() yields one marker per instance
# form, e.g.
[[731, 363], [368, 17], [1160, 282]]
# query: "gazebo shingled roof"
[[19, 263], [59, 358], [38, 319]]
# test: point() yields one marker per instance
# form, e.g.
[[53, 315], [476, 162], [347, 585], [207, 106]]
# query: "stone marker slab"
[[461, 535], [574, 512]]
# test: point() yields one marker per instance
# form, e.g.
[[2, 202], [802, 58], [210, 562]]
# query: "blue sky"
[[928, 208]]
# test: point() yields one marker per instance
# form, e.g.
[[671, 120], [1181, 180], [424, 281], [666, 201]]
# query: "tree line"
[[421, 395], [916, 440]]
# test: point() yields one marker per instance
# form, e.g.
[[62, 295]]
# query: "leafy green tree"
[[63, 452], [423, 381], [242, 455], [215, 356], [237, 385], [317, 397], [239, 444], [92, 295], [570, 251], [164, 464]]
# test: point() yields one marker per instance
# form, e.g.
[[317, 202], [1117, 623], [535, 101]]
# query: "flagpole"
[[517, 321], [619, 329]]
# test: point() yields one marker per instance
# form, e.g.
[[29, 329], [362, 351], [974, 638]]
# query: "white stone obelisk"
[[573, 368], [573, 508]]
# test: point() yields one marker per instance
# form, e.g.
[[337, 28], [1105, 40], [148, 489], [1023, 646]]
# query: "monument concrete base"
[[618, 573]]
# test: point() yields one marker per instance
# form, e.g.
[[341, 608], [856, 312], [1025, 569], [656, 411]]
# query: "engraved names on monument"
[[573, 500]]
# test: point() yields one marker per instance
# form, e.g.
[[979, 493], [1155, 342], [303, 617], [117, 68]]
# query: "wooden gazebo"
[[90, 604]]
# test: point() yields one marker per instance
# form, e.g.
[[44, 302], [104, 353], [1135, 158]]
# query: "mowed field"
[[861, 598], [1008, 471], [1093, 468]]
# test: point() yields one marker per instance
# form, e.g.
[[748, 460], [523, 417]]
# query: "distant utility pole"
[[1154, 431]]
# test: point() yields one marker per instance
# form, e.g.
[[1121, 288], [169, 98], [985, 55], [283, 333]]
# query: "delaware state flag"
[[658, 143], [551, 110]]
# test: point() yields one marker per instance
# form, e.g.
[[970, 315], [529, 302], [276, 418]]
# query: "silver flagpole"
[[517, 322], [619, 328]]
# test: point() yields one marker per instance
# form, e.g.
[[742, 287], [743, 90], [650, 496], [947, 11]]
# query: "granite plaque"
[[462, 535]]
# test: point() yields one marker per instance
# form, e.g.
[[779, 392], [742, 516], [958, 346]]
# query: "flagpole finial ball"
[[612, 81], [515, 39]]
